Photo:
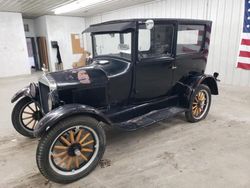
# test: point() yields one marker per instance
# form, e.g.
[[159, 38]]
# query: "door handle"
[[173, 67]]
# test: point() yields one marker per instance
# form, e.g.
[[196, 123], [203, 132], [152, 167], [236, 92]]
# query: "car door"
[[154, 68]]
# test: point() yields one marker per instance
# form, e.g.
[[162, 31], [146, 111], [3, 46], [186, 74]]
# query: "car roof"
[[167, 20], [125, 24]]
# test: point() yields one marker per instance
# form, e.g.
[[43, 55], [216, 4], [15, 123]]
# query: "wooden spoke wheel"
[[25, 116], [71, 149], [199, 104], [30, 115]]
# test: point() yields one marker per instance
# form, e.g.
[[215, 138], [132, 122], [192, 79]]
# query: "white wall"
[[60, 28], [13, 50], [227, 16], [31, 32], [40, 26]]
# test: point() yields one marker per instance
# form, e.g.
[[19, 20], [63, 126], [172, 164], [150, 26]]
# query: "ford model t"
[[143, 71]]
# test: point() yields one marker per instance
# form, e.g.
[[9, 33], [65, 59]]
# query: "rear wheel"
[[71, 149], [200, 104], [25, 116]]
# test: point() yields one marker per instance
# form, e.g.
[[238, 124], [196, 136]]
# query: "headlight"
[[50, 101], [33, 90]]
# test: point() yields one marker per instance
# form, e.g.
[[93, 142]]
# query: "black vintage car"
[[143, 71]]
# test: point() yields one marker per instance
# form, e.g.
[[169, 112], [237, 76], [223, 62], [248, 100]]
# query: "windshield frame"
[[95, 55]]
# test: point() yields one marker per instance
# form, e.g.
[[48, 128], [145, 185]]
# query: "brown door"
[[43, 52]]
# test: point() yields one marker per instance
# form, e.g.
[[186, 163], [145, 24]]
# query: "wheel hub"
[[74, 150], [200, 104], [37, 115]]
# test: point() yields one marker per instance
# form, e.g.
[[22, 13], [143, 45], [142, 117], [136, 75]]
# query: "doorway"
[[32, 54]]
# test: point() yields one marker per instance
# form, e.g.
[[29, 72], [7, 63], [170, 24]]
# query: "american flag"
[[243, 60]]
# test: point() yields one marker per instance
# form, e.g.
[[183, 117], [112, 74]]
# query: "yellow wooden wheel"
[[200, 103], [73, 149]]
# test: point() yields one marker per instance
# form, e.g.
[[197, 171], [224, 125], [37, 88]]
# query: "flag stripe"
[[243, 65], [244, 54], [245, 35], [244, 48], [245, 42], [244, 60]]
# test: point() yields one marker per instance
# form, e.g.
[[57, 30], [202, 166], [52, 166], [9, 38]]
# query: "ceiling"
[[36, 8]]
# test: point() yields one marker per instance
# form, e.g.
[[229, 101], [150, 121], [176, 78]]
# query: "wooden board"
[[76, 44], [43, 53]]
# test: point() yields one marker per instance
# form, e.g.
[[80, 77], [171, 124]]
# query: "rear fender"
[[65, 111], [210, 81], [189, 84]]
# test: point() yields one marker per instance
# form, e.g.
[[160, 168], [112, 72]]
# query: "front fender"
[[21, 93], [65, 111]]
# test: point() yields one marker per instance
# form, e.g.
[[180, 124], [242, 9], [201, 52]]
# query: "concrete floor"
[[174, 153]]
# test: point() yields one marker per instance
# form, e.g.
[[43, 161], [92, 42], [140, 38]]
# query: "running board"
[[150, 118]]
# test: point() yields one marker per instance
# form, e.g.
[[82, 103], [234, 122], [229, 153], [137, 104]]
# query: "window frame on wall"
[[202, 41], [171, 53]]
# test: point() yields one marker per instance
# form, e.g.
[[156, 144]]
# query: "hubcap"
[[74, 150], [30, 115], [77, 152], [200, 104]]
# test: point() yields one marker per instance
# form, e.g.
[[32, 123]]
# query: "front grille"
[[44, 93]]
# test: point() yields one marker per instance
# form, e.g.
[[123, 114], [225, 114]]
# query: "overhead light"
[[76, 5]]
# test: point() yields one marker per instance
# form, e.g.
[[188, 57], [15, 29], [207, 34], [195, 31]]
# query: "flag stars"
[[248, 26], [249, 2], [248, 17], [248, 10]]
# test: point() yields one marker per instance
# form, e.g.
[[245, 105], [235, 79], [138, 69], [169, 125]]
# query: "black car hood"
[[95, 75], [81, 77]]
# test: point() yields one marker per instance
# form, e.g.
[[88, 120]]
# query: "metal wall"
[[227, 17]]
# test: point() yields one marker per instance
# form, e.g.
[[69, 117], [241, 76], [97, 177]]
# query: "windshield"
[[113, 44]]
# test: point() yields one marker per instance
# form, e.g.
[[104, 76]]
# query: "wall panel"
[[13, 49]]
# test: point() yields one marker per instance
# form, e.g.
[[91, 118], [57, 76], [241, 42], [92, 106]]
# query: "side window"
[[156, 42], [189, 38], [144, 40]]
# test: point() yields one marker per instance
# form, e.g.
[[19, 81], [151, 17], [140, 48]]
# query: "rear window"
[[189, 39]]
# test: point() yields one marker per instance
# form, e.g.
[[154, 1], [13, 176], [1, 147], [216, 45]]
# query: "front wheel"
[[199, 104], [25, 116], [71, 149]]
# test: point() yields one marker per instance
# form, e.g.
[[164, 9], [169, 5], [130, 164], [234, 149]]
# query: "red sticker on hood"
[[83, 77]]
